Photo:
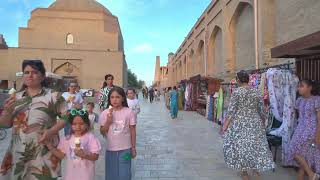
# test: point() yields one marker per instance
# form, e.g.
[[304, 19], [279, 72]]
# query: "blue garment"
[[174, 103], [210, 112], [67, 129], [118, 165]]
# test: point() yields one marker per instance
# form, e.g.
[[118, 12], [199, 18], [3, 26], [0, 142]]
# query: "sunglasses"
[[79, 112]]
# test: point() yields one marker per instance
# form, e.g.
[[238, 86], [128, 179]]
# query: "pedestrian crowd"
[[36, 115]]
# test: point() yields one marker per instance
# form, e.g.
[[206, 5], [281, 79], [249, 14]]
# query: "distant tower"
[[3, 44], [157, 73]]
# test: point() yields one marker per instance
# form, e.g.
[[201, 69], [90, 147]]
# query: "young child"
[[81, 149], [133, 102], [118, 125], [305, 142], [93, 117]]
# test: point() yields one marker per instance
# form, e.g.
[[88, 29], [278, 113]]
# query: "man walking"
[[151, 94]]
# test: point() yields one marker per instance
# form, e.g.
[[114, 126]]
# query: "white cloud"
[[142, 48]]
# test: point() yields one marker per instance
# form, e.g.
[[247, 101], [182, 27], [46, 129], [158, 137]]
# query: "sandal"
[[244, 175], [256, 175]]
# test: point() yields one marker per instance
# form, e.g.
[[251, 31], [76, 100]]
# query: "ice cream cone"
[[12, 92], [77, 142]]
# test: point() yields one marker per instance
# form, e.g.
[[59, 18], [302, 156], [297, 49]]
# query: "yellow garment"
[[180, 100]]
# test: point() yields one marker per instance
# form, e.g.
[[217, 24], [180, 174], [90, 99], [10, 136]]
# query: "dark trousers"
[[151, 98]]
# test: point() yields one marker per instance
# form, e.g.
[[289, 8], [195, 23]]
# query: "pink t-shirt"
[[119, 137], [77, 168]]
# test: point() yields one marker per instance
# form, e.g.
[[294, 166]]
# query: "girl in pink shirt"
[[81, 149], [118, 125]]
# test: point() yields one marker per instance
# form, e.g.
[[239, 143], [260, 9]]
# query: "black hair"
[[37, 65], [106, 78], [243, 77], [312, 84], [121, 92], [174, 87], [73, 82], [91, 104], [84, 117], [131, 89]]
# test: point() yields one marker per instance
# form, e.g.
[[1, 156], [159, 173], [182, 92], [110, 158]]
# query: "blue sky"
[[149, 27]]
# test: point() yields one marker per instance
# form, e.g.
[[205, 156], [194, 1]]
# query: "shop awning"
[[305, 46], [48, 74]]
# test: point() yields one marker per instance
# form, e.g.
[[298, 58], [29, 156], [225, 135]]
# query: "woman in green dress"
[[36, 114]]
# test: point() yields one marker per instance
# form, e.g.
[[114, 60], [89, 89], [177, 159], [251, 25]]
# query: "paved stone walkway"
[[188, 148]]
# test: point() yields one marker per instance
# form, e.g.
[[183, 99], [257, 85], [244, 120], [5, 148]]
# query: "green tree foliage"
[[133, 80]]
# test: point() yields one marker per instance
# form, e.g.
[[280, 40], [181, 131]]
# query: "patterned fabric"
[[207, 106], [188, 97], [276, 92], [31, 160], [245, 143], [282, 85], [234, 85], [305, 133], [264, 86], [254, 80], [174, 103], [103, 101]]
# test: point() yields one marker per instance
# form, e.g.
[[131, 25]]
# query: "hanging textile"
[[220, 105], [233, 83], [207, 106], [282, 86], [215, 104], [276, 92], [180, 98], [254, 80], [188, 98], [211, 108]]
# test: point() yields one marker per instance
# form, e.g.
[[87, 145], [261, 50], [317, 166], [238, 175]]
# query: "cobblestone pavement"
[[187, 148]]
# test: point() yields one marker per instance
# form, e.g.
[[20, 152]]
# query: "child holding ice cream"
[[80, 150], [118, 125]]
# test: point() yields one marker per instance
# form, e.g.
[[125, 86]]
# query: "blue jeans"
[[118, 165]]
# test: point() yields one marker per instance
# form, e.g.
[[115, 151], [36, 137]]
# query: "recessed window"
[[69, 39]]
